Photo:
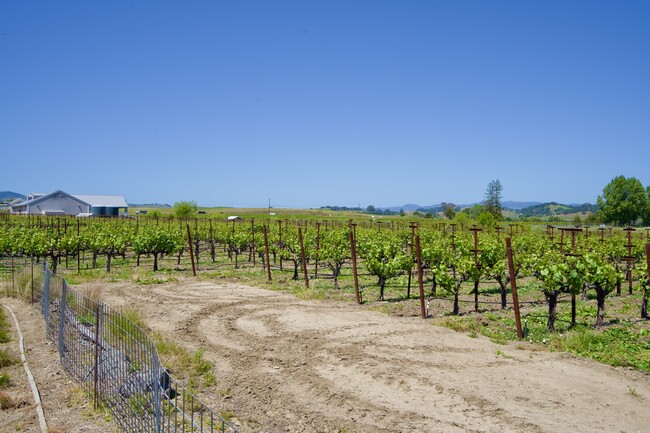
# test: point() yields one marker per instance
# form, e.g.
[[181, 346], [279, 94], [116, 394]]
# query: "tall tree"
[[493, 198], [449, 210], [623, 201], [185, 209], [646, 213]]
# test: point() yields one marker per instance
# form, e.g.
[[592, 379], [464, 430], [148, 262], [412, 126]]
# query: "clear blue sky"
[[310, 103]]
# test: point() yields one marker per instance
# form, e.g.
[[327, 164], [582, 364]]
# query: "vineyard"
[[344, 350], [449, 272]]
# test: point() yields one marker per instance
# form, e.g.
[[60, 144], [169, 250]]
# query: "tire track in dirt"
[[297, 371], [300, 366]]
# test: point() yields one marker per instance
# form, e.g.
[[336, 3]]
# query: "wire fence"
[[110, 357]]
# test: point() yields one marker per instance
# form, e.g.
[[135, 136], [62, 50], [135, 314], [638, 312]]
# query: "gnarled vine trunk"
[[503, 284], [551, 298], [382, 285], [600, 301]]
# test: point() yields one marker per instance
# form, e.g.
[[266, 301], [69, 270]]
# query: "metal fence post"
[[62, 308], [96, 375], [32, 263], [46, 296], [157, 391], [13, 271]]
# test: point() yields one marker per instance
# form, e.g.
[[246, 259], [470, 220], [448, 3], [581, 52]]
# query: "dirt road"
[[287, 365]]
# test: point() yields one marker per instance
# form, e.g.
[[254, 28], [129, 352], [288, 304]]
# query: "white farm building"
[[62, 203]]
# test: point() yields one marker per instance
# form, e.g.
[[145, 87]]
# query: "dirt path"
[[284, 364]]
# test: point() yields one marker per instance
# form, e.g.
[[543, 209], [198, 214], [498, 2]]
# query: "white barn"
[[62, 203], [54, 203]]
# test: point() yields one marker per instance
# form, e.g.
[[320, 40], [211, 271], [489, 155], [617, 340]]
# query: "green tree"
[[493, 199], [185, 209], [623, 201], [449, 210], [461, 218], [593, 218], [475, 210], [646, 213], [486, 219]]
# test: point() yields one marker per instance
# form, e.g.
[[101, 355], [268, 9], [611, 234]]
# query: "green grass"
[[188, 366], [619, 346], [4, 327], [7, 359], [227, 415], [132, 314], [623, 341], [5, 380]]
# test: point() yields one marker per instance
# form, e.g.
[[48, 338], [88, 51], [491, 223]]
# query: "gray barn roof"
[[44, 197], [108, 201], [103, 200]]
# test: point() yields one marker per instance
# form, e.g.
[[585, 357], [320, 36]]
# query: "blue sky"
[[311, 103]]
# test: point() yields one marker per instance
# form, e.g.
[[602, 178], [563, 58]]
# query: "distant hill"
[[416, 207], [9, 195], [518, 205], [512, 205], [554, 208], [522, 208], [409, 207], [148, 205]]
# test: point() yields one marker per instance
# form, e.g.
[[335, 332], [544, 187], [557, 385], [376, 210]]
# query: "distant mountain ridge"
[[10, 195], [511, 205], [523, 208], [148, 205], [518, 205], [554, 208]]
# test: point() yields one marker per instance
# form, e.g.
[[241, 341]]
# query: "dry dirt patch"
[[284, 364]]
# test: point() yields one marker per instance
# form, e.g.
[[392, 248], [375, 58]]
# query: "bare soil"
[[288, 365]]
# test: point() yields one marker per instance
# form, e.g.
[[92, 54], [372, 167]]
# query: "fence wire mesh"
[[110, 357]]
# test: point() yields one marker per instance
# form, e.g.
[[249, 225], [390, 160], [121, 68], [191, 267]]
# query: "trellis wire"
[[111, 358]]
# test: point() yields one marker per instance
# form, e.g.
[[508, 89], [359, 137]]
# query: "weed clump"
[[6, 402], [5, 380], [7, 359]]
